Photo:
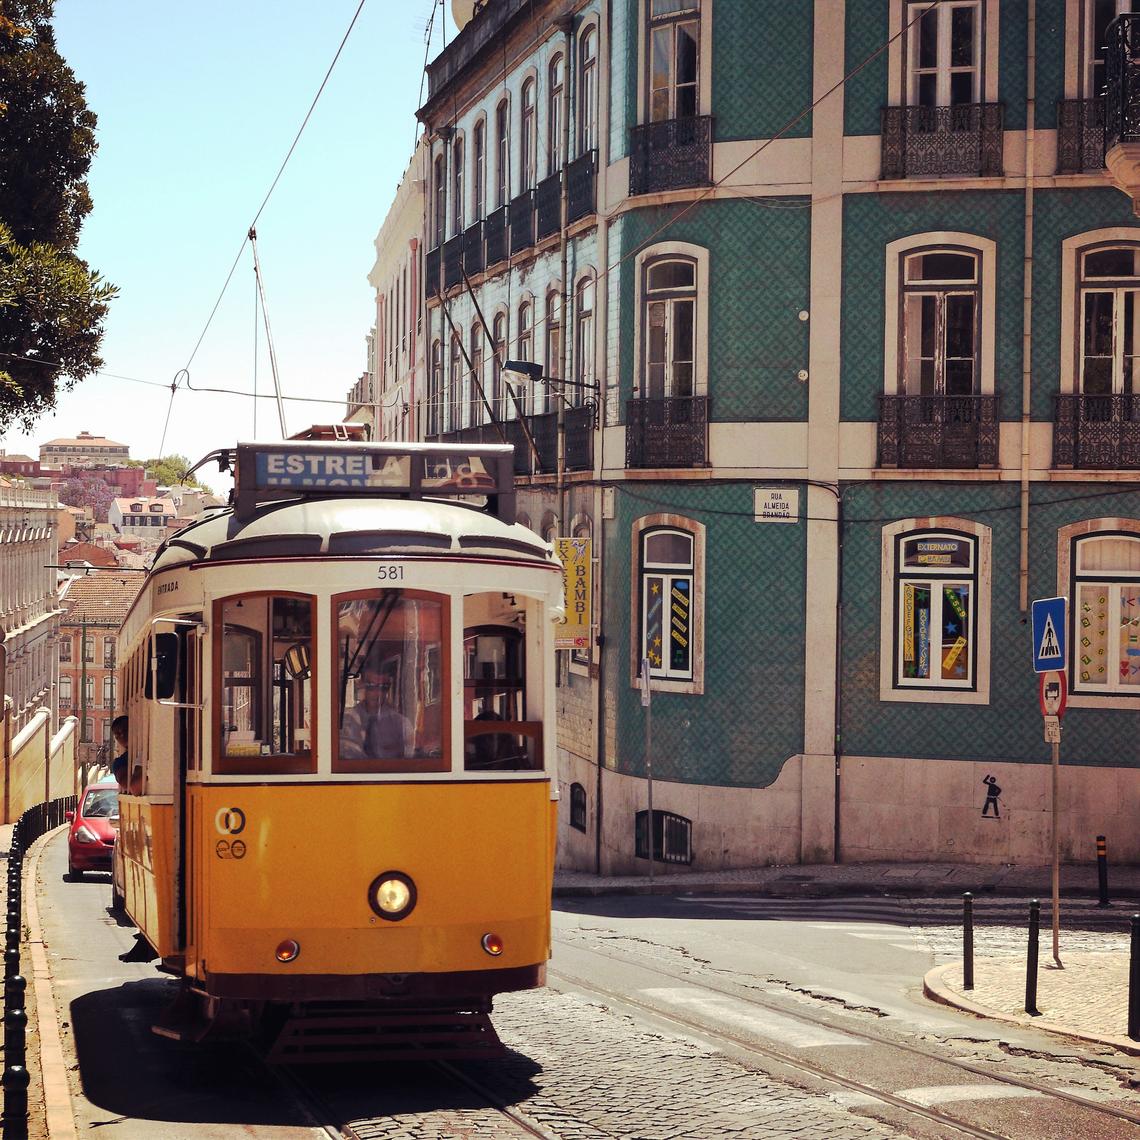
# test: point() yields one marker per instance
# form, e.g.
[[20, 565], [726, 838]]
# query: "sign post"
[[1050, 624], [645, 701]]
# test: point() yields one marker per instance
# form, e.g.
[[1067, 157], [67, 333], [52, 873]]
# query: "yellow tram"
[[340, 688]]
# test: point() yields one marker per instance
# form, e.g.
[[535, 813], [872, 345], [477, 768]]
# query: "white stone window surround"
[[696, 530], [897, 54], [1077, 28], [888, 589], [1071, 250], [700, 255], [1067, 536], [896, 253], [704, 60]]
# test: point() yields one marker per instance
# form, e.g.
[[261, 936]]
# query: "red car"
[[94, 828]]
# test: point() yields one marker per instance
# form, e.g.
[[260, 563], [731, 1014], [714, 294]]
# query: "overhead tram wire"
[[264, 202]]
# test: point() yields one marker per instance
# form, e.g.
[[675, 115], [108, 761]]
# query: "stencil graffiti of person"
[[992, 793]]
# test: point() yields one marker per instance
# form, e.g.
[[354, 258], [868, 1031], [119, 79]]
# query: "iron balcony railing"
[[962, 140], [431, 272], [667, 432], [938, 431], [496, 235], [1080, 135], [1122, 81], [453, 261], [1097, 432], [522, 222], [548, 207], [473, 249], [581, 183], [579, 424], [544, 429], [673, 154]]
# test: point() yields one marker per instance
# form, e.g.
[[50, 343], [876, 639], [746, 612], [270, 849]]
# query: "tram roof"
[[332, 527]]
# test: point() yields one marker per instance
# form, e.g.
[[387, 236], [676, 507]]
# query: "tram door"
[[188, 759]]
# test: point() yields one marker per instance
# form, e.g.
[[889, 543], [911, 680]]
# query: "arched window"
[[439, 189], [479, 168], [667, 602], [583, 339], [578, 807], [529, 139], [588, 90], [545, 398], [940, 319], [503, 153], [498, 357], [65, 690], [674, 36], [435, 391], [524, 344], [944, 54], [1105, 618], [669, 305], [556, 90], [475, 399], [1109, 287], [454, 384], [457, 187]]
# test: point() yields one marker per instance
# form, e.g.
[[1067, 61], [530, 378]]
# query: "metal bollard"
[[1102, 869], [1134, 981], [1031, 959], [15, 1035], [15, 1081], [967, 941], [11, 962]]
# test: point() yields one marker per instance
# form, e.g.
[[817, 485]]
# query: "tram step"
[[320, 1035]]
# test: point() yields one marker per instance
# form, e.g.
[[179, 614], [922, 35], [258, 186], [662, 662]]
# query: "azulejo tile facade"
[[760, 302]]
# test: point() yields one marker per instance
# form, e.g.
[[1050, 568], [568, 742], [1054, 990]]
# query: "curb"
[[935, 988]]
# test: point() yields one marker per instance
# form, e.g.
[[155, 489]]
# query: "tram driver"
[[374, 728]]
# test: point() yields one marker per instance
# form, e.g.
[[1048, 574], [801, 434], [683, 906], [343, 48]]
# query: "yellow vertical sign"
[[573, 632]]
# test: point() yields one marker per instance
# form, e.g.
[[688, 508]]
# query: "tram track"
[[749, 1046]]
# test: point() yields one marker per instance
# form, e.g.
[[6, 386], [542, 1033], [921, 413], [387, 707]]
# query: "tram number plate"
[[390, 573]]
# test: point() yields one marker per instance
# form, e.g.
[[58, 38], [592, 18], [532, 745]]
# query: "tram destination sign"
[[323, 468]]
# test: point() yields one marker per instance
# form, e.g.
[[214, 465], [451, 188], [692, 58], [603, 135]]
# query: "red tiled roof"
[[100, 598]]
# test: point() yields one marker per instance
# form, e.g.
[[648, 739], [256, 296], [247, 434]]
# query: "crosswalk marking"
[[722, 1010]]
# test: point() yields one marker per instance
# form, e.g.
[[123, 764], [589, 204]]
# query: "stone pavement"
[[1087, 999]]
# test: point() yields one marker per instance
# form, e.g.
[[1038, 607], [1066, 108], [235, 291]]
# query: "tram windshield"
[[391, 683]]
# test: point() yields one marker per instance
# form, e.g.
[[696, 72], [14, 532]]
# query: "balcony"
[[522, 222], [1097, 432], [1122, 105], [453, 261], [670, 155], [1080, 135], [473, 249], [961, 140], [938, 431], [668, 432], [581, 181], [495, 234], [548, 206], [431, 272]]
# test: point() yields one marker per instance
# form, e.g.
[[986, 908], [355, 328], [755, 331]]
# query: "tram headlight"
[[392, 895]]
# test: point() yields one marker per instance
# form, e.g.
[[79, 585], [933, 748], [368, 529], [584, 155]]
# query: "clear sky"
[[197, 106]]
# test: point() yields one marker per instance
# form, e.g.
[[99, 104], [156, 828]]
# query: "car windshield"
[[101, 803]]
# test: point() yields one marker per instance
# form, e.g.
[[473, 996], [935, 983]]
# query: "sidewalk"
[[1088, 999]]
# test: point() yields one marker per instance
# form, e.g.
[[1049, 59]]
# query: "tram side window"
[[392, 682], [497, 735], [266, 684]]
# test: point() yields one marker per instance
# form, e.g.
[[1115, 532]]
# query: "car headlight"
[[392, 895], [82, 835]]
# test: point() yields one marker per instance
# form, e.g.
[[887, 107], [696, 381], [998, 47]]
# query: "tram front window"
[[266, 699], [392, 682]]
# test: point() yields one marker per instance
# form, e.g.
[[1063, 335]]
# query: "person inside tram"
[[374, 729], [119, 729]]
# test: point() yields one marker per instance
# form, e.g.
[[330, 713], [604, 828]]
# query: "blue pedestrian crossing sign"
[[1049, 624]]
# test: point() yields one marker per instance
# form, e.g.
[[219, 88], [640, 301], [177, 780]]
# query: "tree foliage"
[[52, 306], [168, 471], [88, 491], [52, 309]]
